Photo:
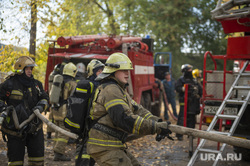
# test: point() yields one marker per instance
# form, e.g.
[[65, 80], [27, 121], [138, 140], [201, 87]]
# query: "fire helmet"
[[93, 64], [56, 69], [196, 73], [22, 62], [186, 67], [80, 67], [116, 61], [70, 69]]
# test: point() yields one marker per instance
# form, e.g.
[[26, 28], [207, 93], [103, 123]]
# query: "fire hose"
[[174, 128], [40, 116], [55, 127], [165, 99]]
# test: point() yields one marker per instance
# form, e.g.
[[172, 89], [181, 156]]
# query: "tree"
[[33, 9], [9, 55], [82, 17]]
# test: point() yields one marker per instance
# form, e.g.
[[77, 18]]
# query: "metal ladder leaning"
[[219, 115]]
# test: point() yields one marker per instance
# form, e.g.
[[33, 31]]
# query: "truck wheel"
[[156, 108], [245, 152], [146, 101]]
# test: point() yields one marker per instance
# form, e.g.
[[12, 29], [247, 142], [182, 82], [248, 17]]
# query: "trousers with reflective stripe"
[[60, 139], [35, 149], [82, 158]]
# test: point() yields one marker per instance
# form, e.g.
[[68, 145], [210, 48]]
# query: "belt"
[[111, 131], [10, 132]]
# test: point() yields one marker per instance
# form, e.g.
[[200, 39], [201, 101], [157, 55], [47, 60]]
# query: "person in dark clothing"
[[94, 68], [169, 86], [20, 95], [194, 95]]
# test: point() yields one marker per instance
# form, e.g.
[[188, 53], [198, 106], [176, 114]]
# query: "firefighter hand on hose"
[[63, 86], [117, 115], [194, 94], [20, 95]]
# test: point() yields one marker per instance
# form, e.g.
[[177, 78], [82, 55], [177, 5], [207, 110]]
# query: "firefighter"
[[69, 84], [20, 95], [117, 115], [57, 70], [197, 76], [94, 68], [194, 94]]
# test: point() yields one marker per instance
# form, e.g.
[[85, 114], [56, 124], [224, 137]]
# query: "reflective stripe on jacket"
[[123, 114]]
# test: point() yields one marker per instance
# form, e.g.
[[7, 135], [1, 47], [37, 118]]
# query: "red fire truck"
[[144, 87], [235, 18]]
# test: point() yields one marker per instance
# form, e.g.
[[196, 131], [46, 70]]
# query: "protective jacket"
[[23, 94], [180, 83], [113, 107], [68, 89], [194, 94]]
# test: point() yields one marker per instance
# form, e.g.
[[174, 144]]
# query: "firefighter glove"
[[163, 131], [40, 108], [8, 110], [163, 126]]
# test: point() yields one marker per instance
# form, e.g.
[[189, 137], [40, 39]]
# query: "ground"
[[145, 149]]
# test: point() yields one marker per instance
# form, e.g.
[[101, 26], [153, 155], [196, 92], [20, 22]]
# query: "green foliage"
[[41, 61], [10, 54], [174, 25]]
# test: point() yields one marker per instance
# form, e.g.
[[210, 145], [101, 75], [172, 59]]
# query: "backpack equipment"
[[55, 92], [78, 107]]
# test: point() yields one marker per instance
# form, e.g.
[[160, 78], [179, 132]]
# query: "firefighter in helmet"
[[94, 68], [197, 76], [194, 94], [117, 115], [20, 95], [57, 70], [67, 88]]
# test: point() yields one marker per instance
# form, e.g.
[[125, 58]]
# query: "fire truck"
[[145, 79], [234, 16]]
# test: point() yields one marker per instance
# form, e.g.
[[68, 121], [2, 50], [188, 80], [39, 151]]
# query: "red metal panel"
[[240, 25], [237, 46], [185, 105]]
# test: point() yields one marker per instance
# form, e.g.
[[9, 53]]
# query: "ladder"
[[219, 115]]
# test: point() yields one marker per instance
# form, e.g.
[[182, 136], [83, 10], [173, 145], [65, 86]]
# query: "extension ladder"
[[220, 115]]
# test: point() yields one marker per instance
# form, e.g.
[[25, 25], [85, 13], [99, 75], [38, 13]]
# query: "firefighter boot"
[[60, 157]]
